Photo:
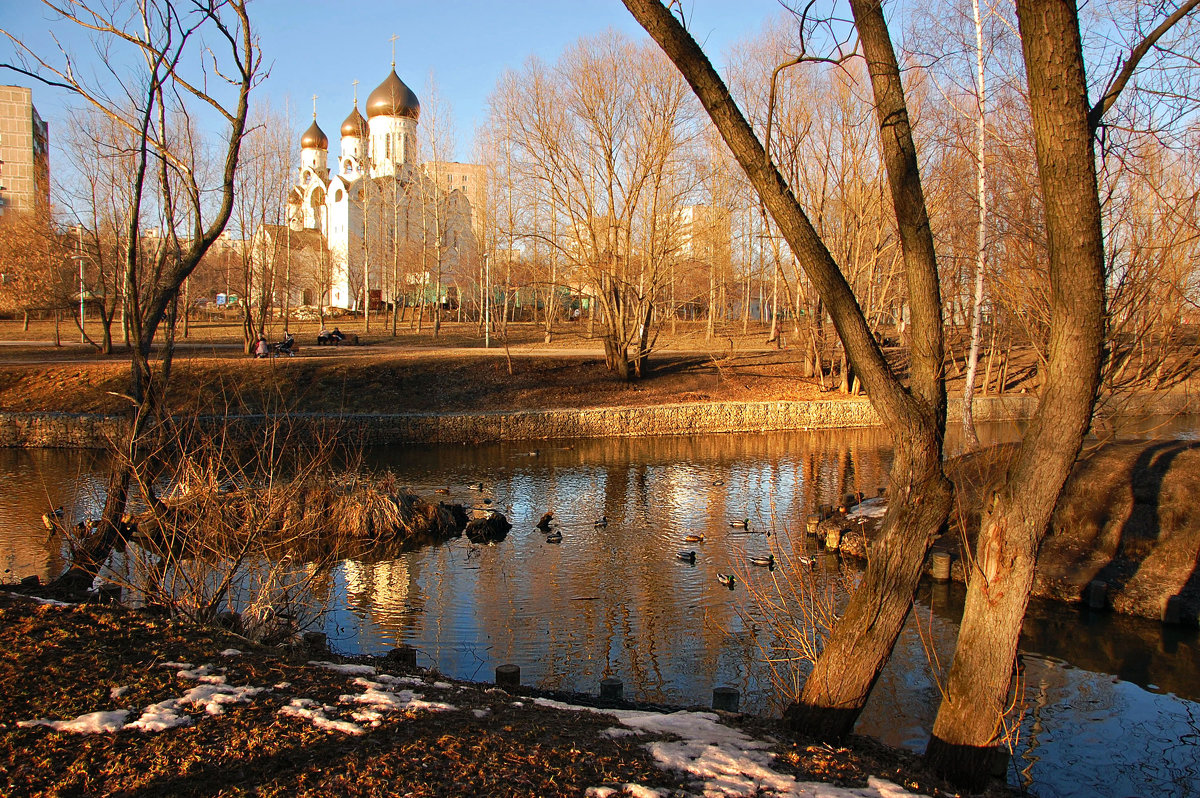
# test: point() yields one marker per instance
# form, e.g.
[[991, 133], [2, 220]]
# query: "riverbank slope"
[[176, 710]]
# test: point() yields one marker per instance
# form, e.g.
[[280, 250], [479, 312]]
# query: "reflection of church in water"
[[383, 211]]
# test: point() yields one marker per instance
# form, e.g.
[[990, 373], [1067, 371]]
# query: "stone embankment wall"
[[64, 430]]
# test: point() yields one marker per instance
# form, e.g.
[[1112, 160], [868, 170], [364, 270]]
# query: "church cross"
[[355, 84], [394, 38], [314, 107]]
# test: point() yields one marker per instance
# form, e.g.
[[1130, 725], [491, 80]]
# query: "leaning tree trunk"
[[860, 645], [969, 729], [842, 678]]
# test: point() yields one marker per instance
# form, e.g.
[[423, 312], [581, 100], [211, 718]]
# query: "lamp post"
[[487, 302], [79, 256]]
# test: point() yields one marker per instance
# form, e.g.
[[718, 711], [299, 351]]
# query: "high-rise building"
[[24, 153]]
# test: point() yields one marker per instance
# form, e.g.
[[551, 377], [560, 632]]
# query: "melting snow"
[[339, 667], [214, 697], [307, 709], [117, 692], [387, 701], [870, 508], [176, 665], [729, 762], [204, 674], [161, 716], [230, 652], [91, 723]]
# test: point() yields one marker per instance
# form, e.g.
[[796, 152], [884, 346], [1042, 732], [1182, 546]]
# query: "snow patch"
[[342, 667], [161, 716], [307, 709], [729, 762], [870, 508], [91, 723], [231, 652], [481, 713], [117, 692], [176, 665], [204, 674], [443, 686], [415, 681], [45, 602], [282, 685], [388, 701], [214, 697]]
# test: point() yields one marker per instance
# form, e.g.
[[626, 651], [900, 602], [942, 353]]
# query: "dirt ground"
[[411, 372], [61, 662]]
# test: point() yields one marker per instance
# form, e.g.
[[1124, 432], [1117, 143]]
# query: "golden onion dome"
[[314, 138], [393, 98], [354, 126]]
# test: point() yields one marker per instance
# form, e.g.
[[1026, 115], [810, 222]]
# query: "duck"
[[601, 522], [807, 562], [694, 538], [763, 562], [742, 524], [554, 537], [442, 491], [718, 483], [52, 518], [729, 580], [475, 486], [686, 556]]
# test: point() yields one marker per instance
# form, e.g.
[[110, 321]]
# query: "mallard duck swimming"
[[693, 538], [763, 562], [807, 562], [742, 524], [554, 537], [727, 579], [52, 518], [475, 486], [686, 556], [601, 522]]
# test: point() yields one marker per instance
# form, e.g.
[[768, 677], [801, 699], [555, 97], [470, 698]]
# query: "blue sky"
[[319, 48]]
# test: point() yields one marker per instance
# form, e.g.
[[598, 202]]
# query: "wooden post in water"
[[725, 699], [508, 676], [403, 657], [941, 566], [611, 689], [833, 538]]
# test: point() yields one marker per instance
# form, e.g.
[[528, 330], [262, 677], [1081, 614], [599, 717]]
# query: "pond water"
[[1111, 706]]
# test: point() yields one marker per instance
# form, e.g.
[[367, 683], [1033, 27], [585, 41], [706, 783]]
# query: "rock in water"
[[492, 528]]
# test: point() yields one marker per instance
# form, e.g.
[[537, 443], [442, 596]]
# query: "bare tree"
[[157, 104], [1063, 126], [260, 195]]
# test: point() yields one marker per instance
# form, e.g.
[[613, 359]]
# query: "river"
[[1110, 705]]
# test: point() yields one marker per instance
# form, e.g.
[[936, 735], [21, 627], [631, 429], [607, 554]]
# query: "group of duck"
[[729, 580], [553, 535], [546, 525]]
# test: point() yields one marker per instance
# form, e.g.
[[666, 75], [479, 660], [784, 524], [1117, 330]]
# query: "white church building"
[[390, 227]]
